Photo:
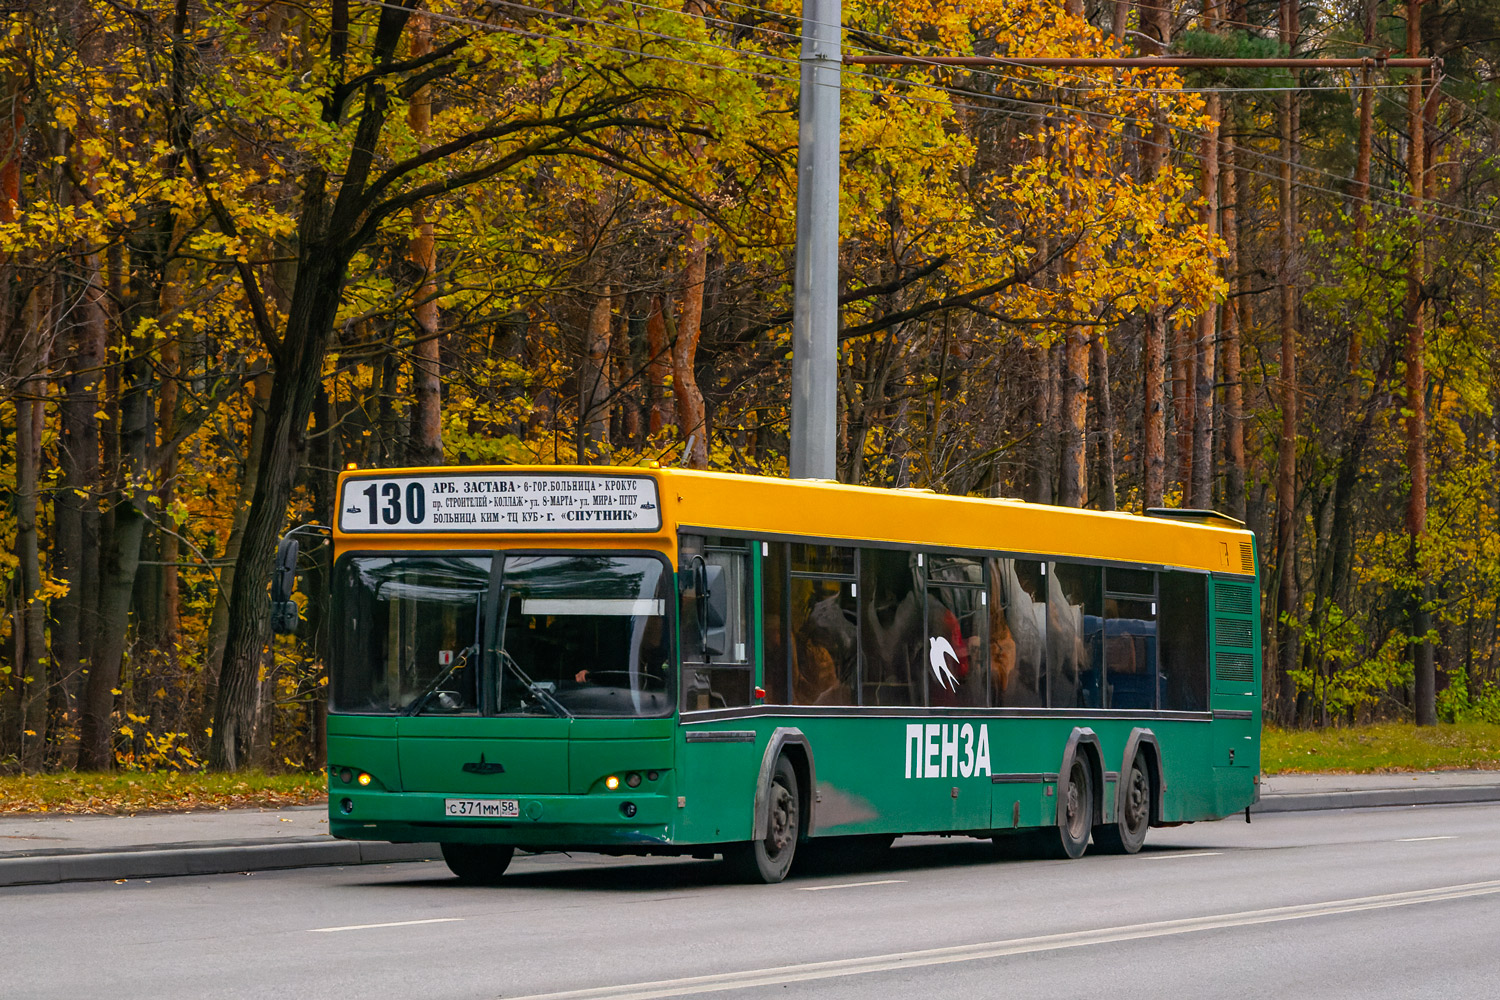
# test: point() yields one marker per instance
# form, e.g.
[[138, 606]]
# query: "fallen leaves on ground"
[[74, 793]]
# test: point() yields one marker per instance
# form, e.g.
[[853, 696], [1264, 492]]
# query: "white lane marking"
[[779, 975], [393, 923], [1170, 856], [1418, 840], [848, 885]]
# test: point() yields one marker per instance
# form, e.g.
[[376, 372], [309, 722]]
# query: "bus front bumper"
[[551, 821]]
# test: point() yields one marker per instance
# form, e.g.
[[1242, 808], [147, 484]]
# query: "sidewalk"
[[41, 848], [1301, 792]]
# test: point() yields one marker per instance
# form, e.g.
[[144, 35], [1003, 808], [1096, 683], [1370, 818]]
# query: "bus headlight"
[[611, 782]]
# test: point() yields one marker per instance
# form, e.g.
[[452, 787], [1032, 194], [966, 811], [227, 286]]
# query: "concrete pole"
[[814, 453]]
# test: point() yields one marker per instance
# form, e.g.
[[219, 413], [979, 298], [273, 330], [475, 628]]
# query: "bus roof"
[[731, 503]]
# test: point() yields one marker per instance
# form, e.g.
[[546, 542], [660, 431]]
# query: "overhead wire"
[[1018, 69]]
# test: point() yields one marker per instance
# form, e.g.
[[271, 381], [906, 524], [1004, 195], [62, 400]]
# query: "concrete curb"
[[1375, 797], [215, 859]]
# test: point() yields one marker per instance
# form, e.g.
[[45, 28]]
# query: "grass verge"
[[1390, 746], [127, 792]]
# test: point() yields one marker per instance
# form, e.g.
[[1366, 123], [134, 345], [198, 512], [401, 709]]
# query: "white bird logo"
[[938, 651]]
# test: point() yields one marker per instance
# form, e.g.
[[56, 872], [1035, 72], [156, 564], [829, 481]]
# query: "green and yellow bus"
[[669, 662]]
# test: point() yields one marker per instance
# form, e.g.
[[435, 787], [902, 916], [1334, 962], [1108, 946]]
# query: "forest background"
[[243, 244]]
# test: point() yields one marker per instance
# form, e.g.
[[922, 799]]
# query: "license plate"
[[491, 808]]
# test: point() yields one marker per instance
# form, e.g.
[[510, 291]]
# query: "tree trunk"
[[31, 667], [1075, 399], [218, 623], [169, 303], [1286, 468], [1234, 398], [1416, 390], [593, 378], [1156, 22], [309, 326], [1104, 459], [658, 367], [118, 568], [692, 417], [426, 444], [1203, 361]]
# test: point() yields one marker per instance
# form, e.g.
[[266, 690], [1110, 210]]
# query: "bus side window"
[[824, 632], [775, 665], [720, 675], [957, 674], [890, 621], [1018, 633], [1184, 642], [1130, 638], [1075, 628]]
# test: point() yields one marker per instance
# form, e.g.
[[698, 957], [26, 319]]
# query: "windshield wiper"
[[458, 664], [542, 694]]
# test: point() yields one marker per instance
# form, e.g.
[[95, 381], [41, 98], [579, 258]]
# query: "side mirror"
[[285, 614], [713, 608]]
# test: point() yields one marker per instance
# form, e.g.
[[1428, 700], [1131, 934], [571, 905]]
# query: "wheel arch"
[[792, 742], [1144, 740], [1082, 740]]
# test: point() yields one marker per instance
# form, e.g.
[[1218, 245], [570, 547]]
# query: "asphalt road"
[[1357, 903]]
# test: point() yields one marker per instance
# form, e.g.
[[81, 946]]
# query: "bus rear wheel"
[[1127, 835], [769, 858], [1075, 813], [477, 864]]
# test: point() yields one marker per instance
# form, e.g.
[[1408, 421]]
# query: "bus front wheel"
[[1075, 812], [477, 864], [1127, 836], [769, 858]]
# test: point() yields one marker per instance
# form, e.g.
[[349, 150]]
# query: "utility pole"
[[815, 282]]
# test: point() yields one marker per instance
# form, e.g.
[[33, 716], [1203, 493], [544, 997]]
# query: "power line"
[[766, 74], [876, 56]]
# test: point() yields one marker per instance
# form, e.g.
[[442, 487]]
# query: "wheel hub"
[[1138, 802], [783, 818]]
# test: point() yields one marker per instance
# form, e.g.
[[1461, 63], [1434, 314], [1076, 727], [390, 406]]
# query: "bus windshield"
[[410, 635], [585, 635], [577, 635]]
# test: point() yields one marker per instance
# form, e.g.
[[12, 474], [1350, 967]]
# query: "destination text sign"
[[498, 502]]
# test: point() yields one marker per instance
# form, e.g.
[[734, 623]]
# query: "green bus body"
[[692, 781]]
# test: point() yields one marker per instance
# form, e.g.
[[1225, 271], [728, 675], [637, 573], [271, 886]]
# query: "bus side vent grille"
[[1232, 598], [1235, 667], [1247, 557], [1229, 632]]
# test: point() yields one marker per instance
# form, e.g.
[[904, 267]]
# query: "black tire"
[[477, 864], [1128, 833], [768, 859], [1075, 812]]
